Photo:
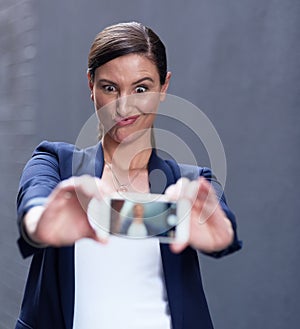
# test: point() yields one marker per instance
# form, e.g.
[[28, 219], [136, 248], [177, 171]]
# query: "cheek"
[[147, 103], [104, 110], [147, 122], [105, 118], [100, 100]]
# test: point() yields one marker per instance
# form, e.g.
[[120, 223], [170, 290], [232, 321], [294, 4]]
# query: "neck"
[[138, 219], [128, 155]]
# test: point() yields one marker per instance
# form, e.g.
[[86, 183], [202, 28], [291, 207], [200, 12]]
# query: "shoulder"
[[63, 149], [67, 156], [54, 148], [190, 171]]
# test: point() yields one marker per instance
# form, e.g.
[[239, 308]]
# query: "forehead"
[[127, 67], [138, 206]]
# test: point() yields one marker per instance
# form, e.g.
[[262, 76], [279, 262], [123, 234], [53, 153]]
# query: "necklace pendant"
[[122, 188]]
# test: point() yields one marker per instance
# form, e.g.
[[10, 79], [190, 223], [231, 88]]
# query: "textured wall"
[[236, 60], [17, 135]]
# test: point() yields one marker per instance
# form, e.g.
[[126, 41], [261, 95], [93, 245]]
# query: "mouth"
[[121, 122]]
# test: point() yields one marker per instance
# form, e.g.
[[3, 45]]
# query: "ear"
[[165, 87], [91, 85]]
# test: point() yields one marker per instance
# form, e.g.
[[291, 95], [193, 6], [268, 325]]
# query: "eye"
[[141, 89], [109, 88]]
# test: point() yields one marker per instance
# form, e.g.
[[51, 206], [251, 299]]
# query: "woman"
[[135, 226], [76, 281]]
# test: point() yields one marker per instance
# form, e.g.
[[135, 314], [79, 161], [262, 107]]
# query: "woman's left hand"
[[210, 229]]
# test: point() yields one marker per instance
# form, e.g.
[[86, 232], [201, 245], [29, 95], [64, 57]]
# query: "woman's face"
[[138, 211], [126, 92]]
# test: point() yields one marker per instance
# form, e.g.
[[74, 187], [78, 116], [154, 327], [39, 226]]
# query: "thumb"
[[178, 247], [96, 237]]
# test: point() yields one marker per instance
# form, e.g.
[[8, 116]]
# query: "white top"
[[119, 285], [137, 230]]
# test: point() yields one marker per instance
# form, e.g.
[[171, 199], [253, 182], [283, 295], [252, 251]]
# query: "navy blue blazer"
[[48, 301]]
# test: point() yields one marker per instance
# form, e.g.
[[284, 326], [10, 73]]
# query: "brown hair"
[[127, 38]]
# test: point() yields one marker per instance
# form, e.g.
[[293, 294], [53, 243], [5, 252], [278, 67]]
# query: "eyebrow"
[[106, 81], [134, 83], [142, 80]]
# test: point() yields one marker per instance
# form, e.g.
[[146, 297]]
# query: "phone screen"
[[140, 220]]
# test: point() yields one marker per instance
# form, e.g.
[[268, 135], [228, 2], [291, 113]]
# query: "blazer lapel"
[[160, 177]]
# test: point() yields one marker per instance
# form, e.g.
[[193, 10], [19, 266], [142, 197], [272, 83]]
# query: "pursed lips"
[[121, 122]]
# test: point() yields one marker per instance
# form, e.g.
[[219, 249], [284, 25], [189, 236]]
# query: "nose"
[[122, 106]]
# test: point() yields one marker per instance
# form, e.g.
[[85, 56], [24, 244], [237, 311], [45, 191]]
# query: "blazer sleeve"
[[236, 243], [40, 176]]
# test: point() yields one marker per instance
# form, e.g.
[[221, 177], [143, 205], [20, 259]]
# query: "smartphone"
[[139, 216]]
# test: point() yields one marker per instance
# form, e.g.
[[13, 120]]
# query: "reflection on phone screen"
[[138, 220]]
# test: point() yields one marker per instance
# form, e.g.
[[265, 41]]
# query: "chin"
[[128, 138]]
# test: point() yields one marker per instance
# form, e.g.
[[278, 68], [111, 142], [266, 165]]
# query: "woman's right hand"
[[63, 219]]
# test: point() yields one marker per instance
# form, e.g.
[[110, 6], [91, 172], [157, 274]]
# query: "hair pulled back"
[[127, 38]]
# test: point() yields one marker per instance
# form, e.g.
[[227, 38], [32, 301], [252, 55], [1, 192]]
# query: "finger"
[[103, 189], [96, 237], [65, 190], [182, 186], [171, 192], [205, 189], [178, 247], [87, 186], [207, 202], [84, 184], [177, 190], [84, 187], [192, 192]]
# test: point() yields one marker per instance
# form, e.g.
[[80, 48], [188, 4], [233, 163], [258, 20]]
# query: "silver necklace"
[[117, 184]]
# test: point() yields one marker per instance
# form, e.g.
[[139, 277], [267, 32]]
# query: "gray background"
[[236, 60]]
